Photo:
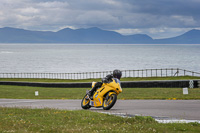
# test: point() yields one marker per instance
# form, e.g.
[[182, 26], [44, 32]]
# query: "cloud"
[[131, 16], [96, 18], [53, 4]]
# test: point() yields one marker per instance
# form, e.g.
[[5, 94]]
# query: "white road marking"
[[176, 121], [156, 119]]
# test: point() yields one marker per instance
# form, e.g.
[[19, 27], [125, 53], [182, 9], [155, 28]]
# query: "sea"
[[75, 58]]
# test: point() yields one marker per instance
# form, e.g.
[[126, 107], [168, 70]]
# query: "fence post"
[[146, 73], [156, 72], [142, 73], [177, 72]]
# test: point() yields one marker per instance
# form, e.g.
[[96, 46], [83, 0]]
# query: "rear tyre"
[[109, 102], [85, 103]]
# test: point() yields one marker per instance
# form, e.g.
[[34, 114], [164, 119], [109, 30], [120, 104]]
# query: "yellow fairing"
[[85, 102], [112, 87]]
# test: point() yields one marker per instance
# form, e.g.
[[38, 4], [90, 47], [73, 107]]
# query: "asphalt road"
[[163, 109]]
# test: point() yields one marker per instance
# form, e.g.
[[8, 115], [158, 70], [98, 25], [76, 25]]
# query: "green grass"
[[63, 121], [91, 80], [159, 93], [24, 92]]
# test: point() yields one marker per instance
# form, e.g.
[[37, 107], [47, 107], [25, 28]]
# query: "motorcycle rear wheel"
[[85, 103], [109, 103]]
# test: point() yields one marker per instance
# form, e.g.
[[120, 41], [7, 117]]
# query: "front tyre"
[[85, 103], [109, 102]]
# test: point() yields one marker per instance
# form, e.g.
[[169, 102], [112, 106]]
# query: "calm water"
[[17, 58]]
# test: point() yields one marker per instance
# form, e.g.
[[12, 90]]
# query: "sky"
[[156, 18]]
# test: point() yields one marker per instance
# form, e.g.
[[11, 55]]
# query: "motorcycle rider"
[[116, 74]]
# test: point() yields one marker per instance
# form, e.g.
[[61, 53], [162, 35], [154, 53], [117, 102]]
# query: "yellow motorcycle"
[[105, 97]]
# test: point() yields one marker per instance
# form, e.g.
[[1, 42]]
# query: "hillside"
[[90, 35]]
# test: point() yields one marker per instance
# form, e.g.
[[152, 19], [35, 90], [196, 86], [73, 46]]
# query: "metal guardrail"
[[167, 72], [199, 84]]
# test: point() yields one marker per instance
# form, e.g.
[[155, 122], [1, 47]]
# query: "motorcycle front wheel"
[[109, 102], [85, 103]]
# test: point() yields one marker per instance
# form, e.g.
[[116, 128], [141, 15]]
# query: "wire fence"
[[167, 72]]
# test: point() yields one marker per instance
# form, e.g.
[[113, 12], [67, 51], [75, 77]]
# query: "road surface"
[[163, 109]]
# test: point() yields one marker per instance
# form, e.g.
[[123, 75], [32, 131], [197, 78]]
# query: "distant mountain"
[[96, 35], [14, 35], [90, 35], [190, 37]]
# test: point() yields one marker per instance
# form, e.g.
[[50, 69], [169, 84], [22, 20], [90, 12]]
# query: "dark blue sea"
[[67, 58]]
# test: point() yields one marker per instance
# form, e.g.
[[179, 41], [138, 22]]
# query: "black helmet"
[[117, 74]]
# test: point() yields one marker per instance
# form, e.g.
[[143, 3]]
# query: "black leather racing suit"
[[107, 79]]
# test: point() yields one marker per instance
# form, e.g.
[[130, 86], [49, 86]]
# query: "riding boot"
[[90, 93]]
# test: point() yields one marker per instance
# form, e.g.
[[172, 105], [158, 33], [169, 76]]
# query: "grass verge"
[[24, 92], [91, 80], [51, 120]]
